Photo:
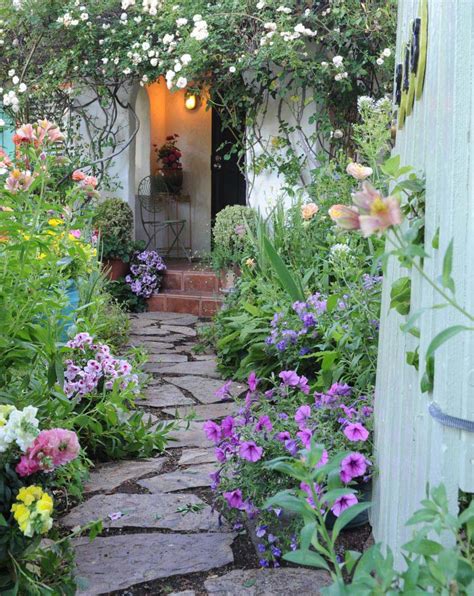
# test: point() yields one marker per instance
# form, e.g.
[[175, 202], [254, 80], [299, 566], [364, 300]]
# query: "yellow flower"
[[45, 505], [22, 515], [54, 221], [250, 262], [26, 236], [29, 494]]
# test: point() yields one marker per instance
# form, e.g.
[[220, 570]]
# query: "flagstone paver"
[[118, 562], [158, 529], [109, 476], [169, 512], [193, 477]]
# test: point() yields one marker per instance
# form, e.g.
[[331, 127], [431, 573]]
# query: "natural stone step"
[[107, 477], [118, 562], [169, 358], [204, 390], [186, 331], [162, 396], [175, 318], [208, 412], [206, 368], [194, 477], [189, 435], [268, 582], [192, 457], [144, 341], [166, 512]]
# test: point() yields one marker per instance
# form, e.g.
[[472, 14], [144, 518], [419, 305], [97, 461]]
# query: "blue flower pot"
[[68, 312]]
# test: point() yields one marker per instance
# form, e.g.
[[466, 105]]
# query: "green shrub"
[[114, 220], [231, 240]]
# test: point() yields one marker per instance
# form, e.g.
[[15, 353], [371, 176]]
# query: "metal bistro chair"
[[154, 208]]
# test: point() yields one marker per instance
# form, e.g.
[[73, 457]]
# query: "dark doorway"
[[228, 181]]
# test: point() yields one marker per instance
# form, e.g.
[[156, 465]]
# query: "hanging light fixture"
[[191, 101]]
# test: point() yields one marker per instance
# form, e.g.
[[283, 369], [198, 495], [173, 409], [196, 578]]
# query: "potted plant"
[[114, 222], [231, 241], [171, 167]]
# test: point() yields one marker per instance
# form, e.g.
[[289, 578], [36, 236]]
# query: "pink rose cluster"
[[93, 367], [50, 449]]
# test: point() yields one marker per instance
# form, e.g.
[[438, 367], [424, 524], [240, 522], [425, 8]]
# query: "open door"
[[228, 181]]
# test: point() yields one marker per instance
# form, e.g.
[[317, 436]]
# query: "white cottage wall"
[[411, 447]]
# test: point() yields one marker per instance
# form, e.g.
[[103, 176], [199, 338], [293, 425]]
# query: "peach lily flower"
[[358, 171], [309, 210], [346, 217]]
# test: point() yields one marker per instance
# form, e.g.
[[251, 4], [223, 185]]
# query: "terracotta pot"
[[115, 268]]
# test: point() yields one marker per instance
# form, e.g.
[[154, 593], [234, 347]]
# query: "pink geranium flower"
[[343, 503], [250, 451], [352, 466], [356, 432]]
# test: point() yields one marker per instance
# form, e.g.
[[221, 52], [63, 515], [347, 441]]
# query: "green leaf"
[[423, 546], [435, 241], [446, 279], [286, 280], [427, 379], [306, 557], [445, 336], [400, 295], [3, 521], [347, 516]]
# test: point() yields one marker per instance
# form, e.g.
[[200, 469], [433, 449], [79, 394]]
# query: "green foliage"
[[231, 243], [114, 221]]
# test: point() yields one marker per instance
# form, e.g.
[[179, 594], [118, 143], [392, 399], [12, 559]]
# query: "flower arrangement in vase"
[[171, 167]]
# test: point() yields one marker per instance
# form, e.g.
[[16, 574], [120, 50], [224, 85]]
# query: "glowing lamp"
[[190, 101]]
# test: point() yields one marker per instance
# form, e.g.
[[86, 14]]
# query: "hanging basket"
[[169, 180]]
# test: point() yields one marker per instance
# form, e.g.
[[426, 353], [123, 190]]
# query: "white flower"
[[232, 69], [126, 71], [200, 31], [379, 61], [84, 16], [324, 64], [123, 17], [11, 72], [387, 53], [181, 82], [186, 59], [339, 250], [284, 9], [127, 3], [181, 22], [170, 75], [270, 26], [197, 18], [168, 38], [337, 61], [15, 80], [260, 5], [177, 67], [22, 427], [145, 46], [22, 87], [338, 134], [154, 61], [105, 60]]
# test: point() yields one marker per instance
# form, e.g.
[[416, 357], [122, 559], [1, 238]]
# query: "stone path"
[[161, 535]]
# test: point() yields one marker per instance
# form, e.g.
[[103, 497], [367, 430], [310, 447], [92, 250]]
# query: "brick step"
[[199, 303], [197, 281]]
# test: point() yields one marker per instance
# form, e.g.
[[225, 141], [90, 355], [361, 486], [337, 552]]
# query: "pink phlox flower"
[[250, 451], [356, 432], [343, 503], [264, 422]]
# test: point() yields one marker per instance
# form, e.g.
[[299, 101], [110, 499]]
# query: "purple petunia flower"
[[250, 451], [303, 413], [213, 431], [252, 381], [353, 465], [261, 531], [289, 378], [223, 392], [283, 436], [227, 426], [281, 345], [343, 503], [261, 548], [264, 422], [305, 436], [234, 498], [356, 432], [291, 446]]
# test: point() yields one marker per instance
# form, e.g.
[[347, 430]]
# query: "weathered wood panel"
[[412, 448]]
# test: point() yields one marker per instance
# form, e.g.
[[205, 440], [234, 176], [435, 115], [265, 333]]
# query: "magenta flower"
[[283, 436], [213, 431], [356, 432], [303, 413], [289, 378], [227, 426], [220, 455], [324, 459], [352, 466], [50, 449], [250, 451], [305, 437], [252, 381], [343, 503], [234, 498], [303, 385], [264, 422], [224, 391]]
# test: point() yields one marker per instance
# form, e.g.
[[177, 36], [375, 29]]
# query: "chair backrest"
[[151, 196]]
